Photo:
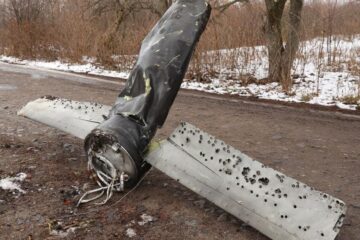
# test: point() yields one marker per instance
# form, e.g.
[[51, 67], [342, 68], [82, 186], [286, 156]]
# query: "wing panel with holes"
[[275, 204]]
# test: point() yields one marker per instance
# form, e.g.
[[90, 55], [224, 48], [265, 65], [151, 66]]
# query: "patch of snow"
[[329, 90], [131, 223], [145, 219], [315, 80], [87, 68], [130, 232], [63, 233], [11, 183]]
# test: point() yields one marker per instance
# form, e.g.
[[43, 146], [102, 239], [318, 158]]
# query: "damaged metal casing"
[[143, 105], [159, 71], [278, 206]]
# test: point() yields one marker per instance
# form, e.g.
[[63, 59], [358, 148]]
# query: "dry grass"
[[351, 100], [308, 97], [67, 30]]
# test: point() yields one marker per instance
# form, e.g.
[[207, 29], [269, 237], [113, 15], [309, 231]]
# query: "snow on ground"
[[130, 232], [330, 90], [145, 219], [316, 81], [87, 68], [63, 233], [12, 183]]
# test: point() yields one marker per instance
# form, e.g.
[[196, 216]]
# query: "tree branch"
[[224, 7]]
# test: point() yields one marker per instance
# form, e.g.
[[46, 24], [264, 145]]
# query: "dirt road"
[[320, 149]]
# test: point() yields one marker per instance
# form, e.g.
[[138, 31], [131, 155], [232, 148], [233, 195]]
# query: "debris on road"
[[57, 229], [70, 196], [61, 230]]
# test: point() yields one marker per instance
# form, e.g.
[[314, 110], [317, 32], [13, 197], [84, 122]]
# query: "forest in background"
[[111, 31]]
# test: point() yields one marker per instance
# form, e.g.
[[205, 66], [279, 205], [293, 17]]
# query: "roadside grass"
[[351, 100], [308, 97]]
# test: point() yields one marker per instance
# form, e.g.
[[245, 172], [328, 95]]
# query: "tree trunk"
[[273, 33], [292, 44], [281, 57], [107, 42]]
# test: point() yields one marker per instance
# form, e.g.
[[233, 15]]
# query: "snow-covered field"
[[316, 81]]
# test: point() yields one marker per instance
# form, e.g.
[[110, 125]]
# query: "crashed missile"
[[277, 205], [117, 144], [117, 141]]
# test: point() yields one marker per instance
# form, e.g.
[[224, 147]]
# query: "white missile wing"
[[75, 118]]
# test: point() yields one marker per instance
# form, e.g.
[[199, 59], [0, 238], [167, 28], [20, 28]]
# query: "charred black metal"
[[142, 107]]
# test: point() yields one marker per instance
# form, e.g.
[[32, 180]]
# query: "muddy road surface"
[[321, 149]]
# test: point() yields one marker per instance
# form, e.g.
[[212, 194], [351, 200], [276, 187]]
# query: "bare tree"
[[26, 10], [222, 6], [331, 12], [121, 10], [124, 8], [3, 13], [160, 6], [281, 56]]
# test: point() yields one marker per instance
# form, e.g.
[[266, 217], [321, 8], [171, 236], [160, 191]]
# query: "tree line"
[[104, 29]]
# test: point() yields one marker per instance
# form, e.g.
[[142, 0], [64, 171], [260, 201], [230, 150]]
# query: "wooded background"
[[111, 31]]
